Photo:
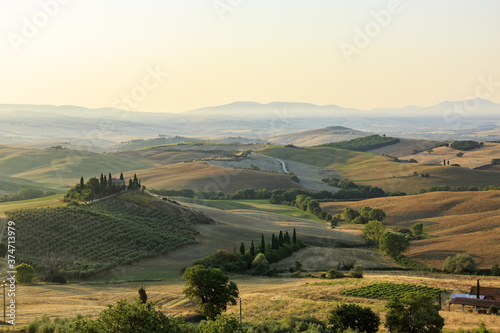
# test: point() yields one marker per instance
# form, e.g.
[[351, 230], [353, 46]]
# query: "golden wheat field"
[[262, 298]]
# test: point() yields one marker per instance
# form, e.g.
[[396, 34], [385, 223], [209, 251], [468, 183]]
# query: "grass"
[[262, 298], [381, 171], [64, 166], [50, 201], [458, 222], [261, 205], [95, 238]]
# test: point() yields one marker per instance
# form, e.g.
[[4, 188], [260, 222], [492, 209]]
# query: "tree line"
[[97, 188], [257, 257], [364, 143], [25, 194]]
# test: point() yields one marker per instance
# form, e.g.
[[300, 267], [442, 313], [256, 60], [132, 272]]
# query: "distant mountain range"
[[74, 126]]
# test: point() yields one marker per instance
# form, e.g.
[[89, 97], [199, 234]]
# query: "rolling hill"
[[318, 136], [382, 171], [204, 177], [461, 222], [86, 240]]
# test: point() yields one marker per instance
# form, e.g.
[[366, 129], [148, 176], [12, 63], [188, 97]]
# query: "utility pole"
[[3, 285], [241, 322]]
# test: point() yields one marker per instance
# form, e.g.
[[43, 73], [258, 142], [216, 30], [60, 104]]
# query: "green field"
[[261, 205], [50, 201]]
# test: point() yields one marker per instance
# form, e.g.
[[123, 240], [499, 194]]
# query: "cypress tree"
[[82, 185], [280, 240], [105, 181], [287, 238], [294, 237], [273, 242], [242, 248], [142, 295], [252, 250], [121, 176], [130, 184], [262, 248], [109, 178], [135, 181]]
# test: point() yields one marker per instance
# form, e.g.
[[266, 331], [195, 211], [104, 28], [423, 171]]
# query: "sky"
[[178, 55]]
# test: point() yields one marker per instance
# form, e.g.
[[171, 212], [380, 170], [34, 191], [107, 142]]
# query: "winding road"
[[284, 166]]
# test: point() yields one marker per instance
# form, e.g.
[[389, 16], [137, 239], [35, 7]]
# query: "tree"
[[356, 272], [121, 176], [221, 324], [355, 317], [413, 313], [495, 270], [460, 263], [417, 229], [373, 230], [252, 250], [130, 318], [349, 214], [377, 214], [211, 288], [294, 236], [393, 244], [281, 240], [82, 183], [25, 273], [287, 238], [260, 264], [262, 248], [143, 296], [242, 248]]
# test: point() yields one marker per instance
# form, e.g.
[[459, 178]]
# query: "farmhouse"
[[118, 182], [489, 293]]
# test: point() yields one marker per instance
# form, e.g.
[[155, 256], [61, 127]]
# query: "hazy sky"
[[117, 53]]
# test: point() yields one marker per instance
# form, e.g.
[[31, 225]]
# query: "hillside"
[[318, 136], [62, 166], [384, 172], [85, 240], [143, 143], [471, 159], [462, 222], [204, 177], [406, 147]]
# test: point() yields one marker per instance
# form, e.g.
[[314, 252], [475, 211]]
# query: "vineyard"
[[390, 290], [80, 241]]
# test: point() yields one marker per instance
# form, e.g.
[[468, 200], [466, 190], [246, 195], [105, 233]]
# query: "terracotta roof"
[[487, 291], [482, 303]]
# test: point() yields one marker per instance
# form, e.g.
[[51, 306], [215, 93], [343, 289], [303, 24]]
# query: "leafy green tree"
[[355, 317], [261, 264], [349, 214], [25, 273], [211, 288], [417, 229], [356, 272], [373, 230], [460, 263], [221, 324], [393, 244], [413, 313], [124, 317], [376, 214]]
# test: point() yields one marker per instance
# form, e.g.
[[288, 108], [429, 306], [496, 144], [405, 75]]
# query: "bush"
[[356, 272], [493, 310], [334, 274], [221, 324], [413, 313], [25, 273], [353, 316], [461, 263], [495, 270]]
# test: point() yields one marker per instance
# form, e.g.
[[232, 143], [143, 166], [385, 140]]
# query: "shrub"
[[413, 313], [353, 316], [493, 310], [460, 263], [334, 274], [356, 272], [495, 270], [25, 273]]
